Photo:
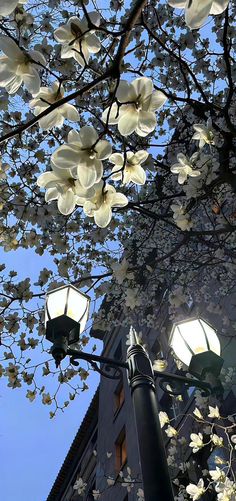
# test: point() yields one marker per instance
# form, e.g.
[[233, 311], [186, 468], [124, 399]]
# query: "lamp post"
[[195, 343]]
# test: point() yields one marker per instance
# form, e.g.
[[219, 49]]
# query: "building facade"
[[106, 443]]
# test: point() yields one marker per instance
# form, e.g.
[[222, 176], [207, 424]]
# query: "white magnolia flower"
[[96, 495], [7, 6], [197, 413], [61, 186], [100, 205], [110, 481], [182, 219], [164, 419], [218, 475], [217, 441], [214, 412], [197, 11], [171, 432], [130, 169], [184, 167], [16, 67], [48, 96], [84, 154], [138, 115], [140, 495], [80, 486], [196, 491], [197, 441], [77, 40], [204, 133], [226, 490], [128, 483]]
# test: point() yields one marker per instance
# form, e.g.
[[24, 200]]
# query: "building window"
[[121, 451], [119, 395]]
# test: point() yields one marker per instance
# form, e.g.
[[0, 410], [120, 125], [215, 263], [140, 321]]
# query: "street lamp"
[[197, 345], [65, 317], [66, 314]]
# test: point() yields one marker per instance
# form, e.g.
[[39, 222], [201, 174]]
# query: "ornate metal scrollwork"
[[177, 384]]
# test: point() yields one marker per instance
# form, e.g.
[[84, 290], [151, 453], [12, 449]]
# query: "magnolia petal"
[[196, 13], [117, 159], [177, 4], [51, 194], [6, 71], [176, 168], [103, 215], [146, 121], [74, 137], [138, 175], [87, 176], [53, 119], [140, 156], [66, 203], [10, 48], [14, 84], [143, 87], [219, 6], [182, 177], [7, 7], [65, 157], [88, 136], [195, 173], [128, 122], [157, 100], [32, 80], [67, 52], [37, 57], [88, 207], [182, 159], [79, 58], [93, 43], [124, 92], [63, 34], [95, 17], [117, 173], [46, 178], [103, 149], [69, 112], [119, 200], [111, 114]]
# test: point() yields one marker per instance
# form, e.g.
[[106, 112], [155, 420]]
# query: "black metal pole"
[[156, 479]]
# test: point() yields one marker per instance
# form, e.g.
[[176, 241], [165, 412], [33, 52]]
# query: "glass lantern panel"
[[193, 337], [213, 339], [78, 307], [179, 347], [56, 301]]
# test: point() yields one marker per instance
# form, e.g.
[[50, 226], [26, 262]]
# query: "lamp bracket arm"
[[93, 360], [181, 381]]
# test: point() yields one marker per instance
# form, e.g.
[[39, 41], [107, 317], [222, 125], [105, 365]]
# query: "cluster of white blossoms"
[[224, 487], [181, 218], [77, 172], [197, 11], [185, 167], [135, 106], [19, 66], [77, 39], [128, 167], [46, 97]]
